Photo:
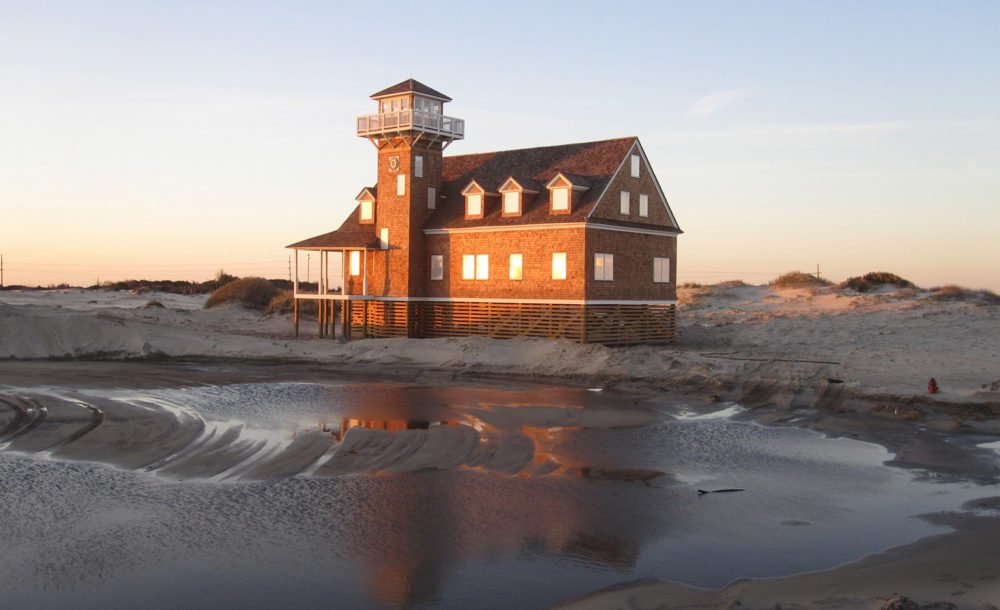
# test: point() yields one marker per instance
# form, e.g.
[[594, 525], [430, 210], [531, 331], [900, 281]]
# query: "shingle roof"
[[408, 86], [351, 234], [589, 164]]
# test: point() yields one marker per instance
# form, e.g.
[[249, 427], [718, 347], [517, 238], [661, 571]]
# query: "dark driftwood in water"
[[702, 492]]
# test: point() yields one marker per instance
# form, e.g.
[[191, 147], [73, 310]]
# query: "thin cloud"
[[712, 103]]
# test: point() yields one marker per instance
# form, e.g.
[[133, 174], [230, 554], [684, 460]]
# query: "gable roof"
[[410, 86], [590, 164], [351, 234]]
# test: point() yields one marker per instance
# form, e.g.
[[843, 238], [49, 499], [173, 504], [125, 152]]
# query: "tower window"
[[437, 266], [383, 238], [431, 197], [401, 184], [418, 166]]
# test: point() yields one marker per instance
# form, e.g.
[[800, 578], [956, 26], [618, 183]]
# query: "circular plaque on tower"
[[393, 163]]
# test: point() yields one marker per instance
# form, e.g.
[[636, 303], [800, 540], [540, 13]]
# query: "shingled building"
[[574, 241]]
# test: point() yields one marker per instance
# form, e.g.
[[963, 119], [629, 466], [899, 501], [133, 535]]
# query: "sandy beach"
[[842, 363]]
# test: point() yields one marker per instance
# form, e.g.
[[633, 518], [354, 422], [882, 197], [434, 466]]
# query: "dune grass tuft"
[[284, 303], [874, 280], [953, 292], [251, 292], [798, 279]]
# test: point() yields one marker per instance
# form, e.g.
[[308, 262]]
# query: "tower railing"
[[416, 120]]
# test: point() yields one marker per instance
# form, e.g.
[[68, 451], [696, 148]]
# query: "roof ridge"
[[513, 150]]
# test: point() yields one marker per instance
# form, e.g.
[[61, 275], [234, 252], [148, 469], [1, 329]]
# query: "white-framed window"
[[418, 166], [558, 265], [468, 266], [383, 238], [511, 202], [604, 267], [437, 266], [635, 166], [516, 266], [474, 205], [560, 199], [355, 262], [626, 202], [661, 270], [367, 210], [431, 197], [482, 266], [401, 184], [644, 205]]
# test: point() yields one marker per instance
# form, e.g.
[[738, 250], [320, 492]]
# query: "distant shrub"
[[797, 279], [873, 280], [251, 292], [730, 284], [690, 285], [952, 292]]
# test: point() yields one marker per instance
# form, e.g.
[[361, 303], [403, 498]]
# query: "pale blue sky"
[[168, 140]]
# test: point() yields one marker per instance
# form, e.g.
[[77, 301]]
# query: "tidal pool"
[[197, 486]]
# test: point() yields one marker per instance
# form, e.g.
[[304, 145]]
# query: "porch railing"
[[417, 120]]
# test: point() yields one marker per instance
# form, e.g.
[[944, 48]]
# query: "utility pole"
[[1, 270], [289, 267], [308, 266], [817, 271]]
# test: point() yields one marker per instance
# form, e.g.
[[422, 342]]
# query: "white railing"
[[417, 120]]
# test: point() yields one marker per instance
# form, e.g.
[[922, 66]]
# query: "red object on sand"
[[932, 386]]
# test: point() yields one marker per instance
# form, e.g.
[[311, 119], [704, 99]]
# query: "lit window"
[[437, 266], [383, 239], [431, 197], [604, 267], [367, 208], [558, 265], [401, 184], [418, 166], [560, 199], [468, 266], [635, 166], [511, 202], [644, 205], [475, 205], [661, 270], [482, 266], [516, 267], [625, 202], [355, 262]]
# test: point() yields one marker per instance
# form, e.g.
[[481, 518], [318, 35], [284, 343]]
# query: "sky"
[[171, 140]]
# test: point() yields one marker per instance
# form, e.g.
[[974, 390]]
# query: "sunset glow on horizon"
[[169, 141]]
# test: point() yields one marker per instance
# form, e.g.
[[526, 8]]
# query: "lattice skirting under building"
[[607, 324]]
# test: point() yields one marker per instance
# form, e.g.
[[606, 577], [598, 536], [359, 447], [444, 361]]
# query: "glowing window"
[[511, 202], [558, 265], [482, 266], [355, 262], [516, 266], [474, 205], [604, 267], [437, 266], [367, 209], [560, 199], [401, 184], [468, 266]]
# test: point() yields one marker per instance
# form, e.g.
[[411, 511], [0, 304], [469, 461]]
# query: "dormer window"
[[474, 200], [562, 194], [366, 201], [515, 197]]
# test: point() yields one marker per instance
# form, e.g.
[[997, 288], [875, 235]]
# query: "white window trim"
[[520, 267], [418, 166], [626, 203], [367, 210], [477, 197], [635, 166], [559, 264], [606, 267], [400, 184], [513, 197], [482, 266], [644, 205], [437, 266], [661, 270], [431, 198]]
